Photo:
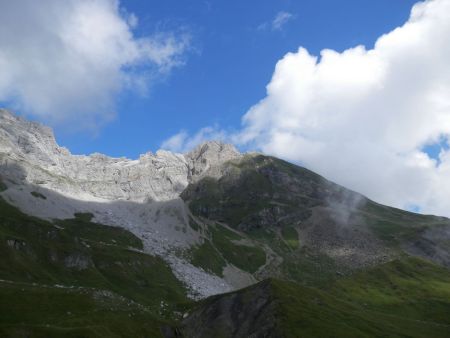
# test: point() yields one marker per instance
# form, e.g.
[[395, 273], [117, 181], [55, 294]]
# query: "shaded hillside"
[[311, 229]]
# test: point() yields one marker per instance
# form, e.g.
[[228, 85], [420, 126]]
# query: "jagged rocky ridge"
[[153, 177]]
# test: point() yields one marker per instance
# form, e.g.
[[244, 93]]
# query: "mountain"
[[100, 246], [141, 195]]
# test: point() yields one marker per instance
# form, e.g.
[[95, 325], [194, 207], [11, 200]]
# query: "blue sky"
[[229, 64]]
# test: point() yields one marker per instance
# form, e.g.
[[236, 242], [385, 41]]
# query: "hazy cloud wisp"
[[278, 22], [281, 19]]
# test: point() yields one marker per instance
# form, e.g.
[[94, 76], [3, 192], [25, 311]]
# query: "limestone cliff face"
[[152, 177]]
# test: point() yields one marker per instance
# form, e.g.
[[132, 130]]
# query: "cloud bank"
[[67, 60], [363, 117]]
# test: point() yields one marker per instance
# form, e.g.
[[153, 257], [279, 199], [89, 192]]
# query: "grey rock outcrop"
[[153, 177], [207, 159]]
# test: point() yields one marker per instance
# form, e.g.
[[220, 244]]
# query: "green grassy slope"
[[395, 226], [412, 288], [404, 298], [47, 311], [50, 269], [222, 246]]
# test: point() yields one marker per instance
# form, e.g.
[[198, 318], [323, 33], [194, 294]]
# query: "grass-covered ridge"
[[396, 225], [410, 287], [29, 310], [207, 257], [247, 257], [81, 227]]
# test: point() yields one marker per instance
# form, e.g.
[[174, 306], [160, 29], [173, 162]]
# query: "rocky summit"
[[208, 243], [153, 177]]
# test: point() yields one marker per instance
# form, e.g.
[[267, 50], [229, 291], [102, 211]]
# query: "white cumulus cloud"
[[361, 117], [67, 60]]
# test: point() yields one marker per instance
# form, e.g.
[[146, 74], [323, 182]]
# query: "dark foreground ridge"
[[403, 298]]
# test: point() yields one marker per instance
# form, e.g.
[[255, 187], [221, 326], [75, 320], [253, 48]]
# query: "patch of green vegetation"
[[38, 195], [80, 227], [309, 268], [245, 257], [290, 235], [393, 232], [142, 278], [271, 238], [225, 232], [301, 265], [398, 215], [37, 311], [84, 216], [410, 287], [394, 225], [309, 312], [207, 257]]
